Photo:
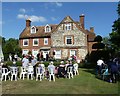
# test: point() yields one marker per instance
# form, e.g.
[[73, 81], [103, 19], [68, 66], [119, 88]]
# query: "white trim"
[[45, 39], [58, 54], [35, 52], [68, 26], [67, 37], [34, 43], [24, 42], [73, 52], [33, 28], [25, 51], [47, 28]]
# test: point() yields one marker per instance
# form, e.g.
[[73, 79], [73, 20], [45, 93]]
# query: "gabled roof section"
[[40, 32], [68, 19]]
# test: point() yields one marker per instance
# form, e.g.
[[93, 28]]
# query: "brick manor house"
[[64, 39]]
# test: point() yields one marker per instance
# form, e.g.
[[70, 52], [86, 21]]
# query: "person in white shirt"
[[100, 62], [25, 62], [51, 66]]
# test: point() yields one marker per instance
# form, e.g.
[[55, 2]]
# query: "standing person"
[[38, 56], [15, 57], [47, 57], [100, 62], [10, 57], [30, 57], [113, 68], [41, 56], [25, 62]]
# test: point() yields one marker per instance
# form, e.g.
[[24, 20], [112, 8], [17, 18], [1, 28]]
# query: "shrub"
[[18, 63]]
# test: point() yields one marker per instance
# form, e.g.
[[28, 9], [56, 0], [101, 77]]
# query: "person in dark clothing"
[[113, 69], [38, 57], [47, 57]]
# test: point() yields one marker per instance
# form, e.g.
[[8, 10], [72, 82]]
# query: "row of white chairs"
[[29, 72]]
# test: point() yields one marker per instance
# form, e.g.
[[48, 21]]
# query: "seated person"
[[61, 70]]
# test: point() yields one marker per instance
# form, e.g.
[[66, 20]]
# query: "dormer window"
[[47, 28], [68, 26], [33, 29]]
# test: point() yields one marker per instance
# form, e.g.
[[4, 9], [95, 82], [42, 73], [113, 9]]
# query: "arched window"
[[47, 28]]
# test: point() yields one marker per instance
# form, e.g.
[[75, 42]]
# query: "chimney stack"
[[82, 20], [28, 23], [91, 29]]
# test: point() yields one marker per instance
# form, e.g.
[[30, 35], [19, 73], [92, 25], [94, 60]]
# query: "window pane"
[[69, 41], [25, 42], [35, 42]]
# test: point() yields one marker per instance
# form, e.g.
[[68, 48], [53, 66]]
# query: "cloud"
[[59, 4], [22, 16], [22, 10], [52, 4], [53, 18], [33, 18]]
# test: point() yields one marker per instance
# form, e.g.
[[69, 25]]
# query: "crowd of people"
[[111, 67], [59, 71]]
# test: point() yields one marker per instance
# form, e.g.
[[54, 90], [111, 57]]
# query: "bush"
[[18, 63]]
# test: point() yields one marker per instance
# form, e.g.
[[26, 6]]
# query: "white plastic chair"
[[75, 68], [51, 74], [14, 72], [70, 72], [30, 72], [23, 73], [39, 73], [5, 73], [43, 69]]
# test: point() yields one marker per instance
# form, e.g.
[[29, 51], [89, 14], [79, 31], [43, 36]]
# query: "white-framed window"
[[35, 42], [73, 52], [45, 41], [69, 40], [33, 29], [68, 26], [25, 42], [47, 28], [35, 52], [25, 51], [58, 54]]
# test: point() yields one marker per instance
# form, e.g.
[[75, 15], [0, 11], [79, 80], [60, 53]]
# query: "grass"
[[85, 83]]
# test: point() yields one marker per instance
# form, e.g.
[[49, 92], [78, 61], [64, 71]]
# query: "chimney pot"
[[28, 23], [91, 29]]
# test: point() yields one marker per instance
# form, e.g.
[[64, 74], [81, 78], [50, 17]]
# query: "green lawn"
[[85, 83]]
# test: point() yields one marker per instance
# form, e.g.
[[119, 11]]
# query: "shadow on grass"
[[92, 71]]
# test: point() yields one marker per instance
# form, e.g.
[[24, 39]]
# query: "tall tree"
[[115, 35], [10, 46], [98, 45]]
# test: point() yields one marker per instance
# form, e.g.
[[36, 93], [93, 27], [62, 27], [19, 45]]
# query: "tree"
[[98, 45], [10, 46], [115, 35]]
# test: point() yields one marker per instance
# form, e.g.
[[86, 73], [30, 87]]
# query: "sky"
[[99, 15]]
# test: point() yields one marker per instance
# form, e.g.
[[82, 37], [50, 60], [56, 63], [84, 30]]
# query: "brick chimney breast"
[[28, 23], [82, 20]]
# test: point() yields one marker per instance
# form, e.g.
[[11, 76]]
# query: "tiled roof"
[[40, 32]]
